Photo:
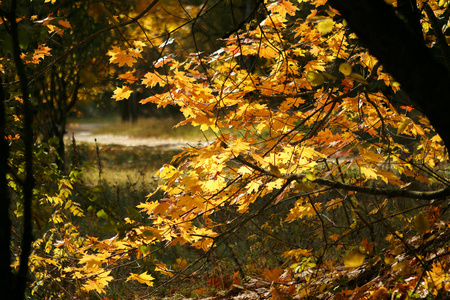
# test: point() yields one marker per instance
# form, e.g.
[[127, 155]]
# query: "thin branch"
[[442, 42], [243, 22], [388, 192]]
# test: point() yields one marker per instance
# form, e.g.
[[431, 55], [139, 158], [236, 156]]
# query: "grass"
[[120, 165]]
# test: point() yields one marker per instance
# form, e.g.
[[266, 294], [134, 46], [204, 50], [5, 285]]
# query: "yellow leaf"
[[289, 8], [310, 177], [162, 268], [253, 186], [403, 126], [128, 77], [142, 278], [98, 282], [121, 93], [369, 173], [325, 26], [314, 78], [398, 266], [345, 69], [354, 259], [92, 260], [358, 78], [388, 259], [181, 263], [296, 253], [139, 44], [122, 57], [152, 79]]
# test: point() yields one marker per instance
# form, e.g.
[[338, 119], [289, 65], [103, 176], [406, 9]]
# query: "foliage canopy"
[[311, 133]]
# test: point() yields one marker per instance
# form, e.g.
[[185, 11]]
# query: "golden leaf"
[[345, 69], [359, 78], [354, 259], [162, 268], [142, 278], [122, 93], [403, 125], [314, 78], [326, 26], [98, 283]]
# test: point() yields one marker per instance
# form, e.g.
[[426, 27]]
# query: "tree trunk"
[[5, 223], [404, 55]]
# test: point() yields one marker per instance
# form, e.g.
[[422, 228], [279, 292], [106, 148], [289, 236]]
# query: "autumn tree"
[[307, 137], [33, 89], [314, 125], [83, 74]]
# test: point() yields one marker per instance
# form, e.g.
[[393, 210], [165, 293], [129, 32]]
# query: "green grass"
[[119, 165], [114, 179]]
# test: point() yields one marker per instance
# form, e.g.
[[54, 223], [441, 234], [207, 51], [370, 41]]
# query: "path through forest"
[[85, 133]]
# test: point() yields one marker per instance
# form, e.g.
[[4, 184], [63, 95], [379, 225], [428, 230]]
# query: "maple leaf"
[[142, 278], [128, 77], [122, 57], [296, 253], [274, 274], [370, 173], [283, 7], [148, 207], [139, 44], [151, 79], [40, 53], [93, 260], [64, 23], [99, 282], [162, 268], [253, 186], [325, 26], [122, 93]]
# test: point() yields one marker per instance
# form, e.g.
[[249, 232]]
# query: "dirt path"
[[85, 133]]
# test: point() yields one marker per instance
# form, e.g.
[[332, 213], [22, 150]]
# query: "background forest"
[[314, 162]]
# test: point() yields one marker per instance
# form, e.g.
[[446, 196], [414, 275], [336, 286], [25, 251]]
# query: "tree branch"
[[438, 32], [388, 192]]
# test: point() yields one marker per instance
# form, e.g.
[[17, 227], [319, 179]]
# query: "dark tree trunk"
[[133, 102], [404, 55], [5, 223], [125, 111], [20, 285]]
